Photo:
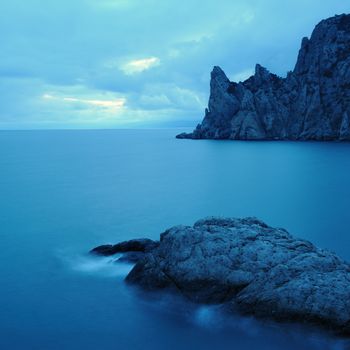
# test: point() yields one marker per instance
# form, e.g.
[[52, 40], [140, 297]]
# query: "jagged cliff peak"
[[217, 72], [312, 102]]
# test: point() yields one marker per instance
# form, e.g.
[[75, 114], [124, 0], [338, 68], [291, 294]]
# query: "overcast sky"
[[138, 63]]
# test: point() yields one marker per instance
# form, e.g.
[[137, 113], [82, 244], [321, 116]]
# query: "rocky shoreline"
[[246, 265], [311, 103]]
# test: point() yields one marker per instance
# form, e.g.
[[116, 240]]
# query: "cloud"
[[139, 65], [78, 104], [168, 95], [114, 105], [113, 3], [242, 75]]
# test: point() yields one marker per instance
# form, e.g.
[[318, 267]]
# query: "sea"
[[63, 192]]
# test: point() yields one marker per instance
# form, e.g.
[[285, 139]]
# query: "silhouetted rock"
[[252, 268], [311, 103]]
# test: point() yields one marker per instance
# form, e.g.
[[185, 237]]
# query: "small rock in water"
[[134, 245]]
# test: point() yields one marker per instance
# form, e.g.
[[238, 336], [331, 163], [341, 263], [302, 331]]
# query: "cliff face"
[[311, 103]]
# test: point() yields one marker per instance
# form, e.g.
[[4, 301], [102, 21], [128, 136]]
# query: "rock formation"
[[134, 245], [252, 268], [311, 103], [132, 251]]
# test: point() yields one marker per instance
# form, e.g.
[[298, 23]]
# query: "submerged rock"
[[251, 267], [311, 103]]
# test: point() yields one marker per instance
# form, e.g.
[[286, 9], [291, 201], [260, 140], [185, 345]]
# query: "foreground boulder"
[[311, 103], [251, 267]]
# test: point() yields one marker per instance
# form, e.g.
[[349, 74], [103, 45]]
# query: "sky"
[[138, 63]]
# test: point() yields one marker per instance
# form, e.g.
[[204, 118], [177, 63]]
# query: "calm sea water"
[[64, 192]]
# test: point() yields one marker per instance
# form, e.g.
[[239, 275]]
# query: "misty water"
[[64, 192]]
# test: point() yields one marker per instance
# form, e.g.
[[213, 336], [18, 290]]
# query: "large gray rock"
[[252, 268], [311, 103]]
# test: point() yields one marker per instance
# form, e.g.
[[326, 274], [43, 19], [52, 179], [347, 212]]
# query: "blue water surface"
[[64, 192]]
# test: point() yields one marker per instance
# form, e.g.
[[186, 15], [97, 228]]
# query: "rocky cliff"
[[248, 266], [311, 103]]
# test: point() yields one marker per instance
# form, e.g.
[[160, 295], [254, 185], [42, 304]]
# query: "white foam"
[[100, 266]]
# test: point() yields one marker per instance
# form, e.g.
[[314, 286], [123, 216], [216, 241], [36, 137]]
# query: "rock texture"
[[251, 267], [132, 251], [311, 103], [134, 245]]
